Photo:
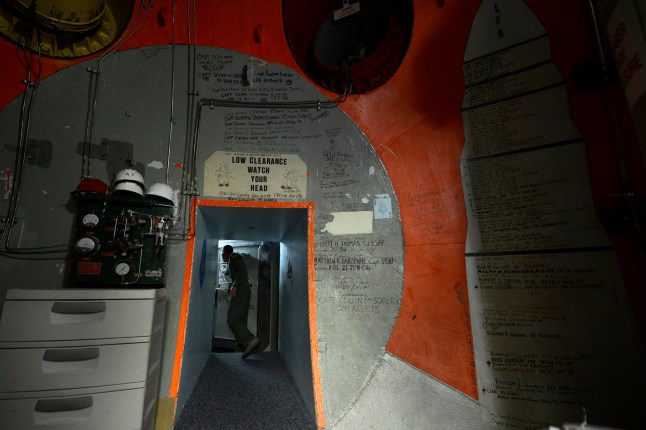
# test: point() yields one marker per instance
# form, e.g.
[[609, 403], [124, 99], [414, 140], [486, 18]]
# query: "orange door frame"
[[188, 275]]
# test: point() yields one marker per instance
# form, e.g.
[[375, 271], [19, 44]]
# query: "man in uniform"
[[240, 293]]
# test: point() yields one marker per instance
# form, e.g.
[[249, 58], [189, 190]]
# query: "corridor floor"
[[253, 394]]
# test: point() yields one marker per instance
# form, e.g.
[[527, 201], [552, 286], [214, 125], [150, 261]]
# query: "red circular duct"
[[358, 52]]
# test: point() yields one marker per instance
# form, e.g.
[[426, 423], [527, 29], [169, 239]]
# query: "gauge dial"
[[86, 245], [90, 220], [122, 268]]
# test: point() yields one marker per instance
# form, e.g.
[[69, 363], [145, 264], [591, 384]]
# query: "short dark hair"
[[227, 248]]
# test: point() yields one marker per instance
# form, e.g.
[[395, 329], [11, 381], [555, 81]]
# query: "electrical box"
[[120, 241]]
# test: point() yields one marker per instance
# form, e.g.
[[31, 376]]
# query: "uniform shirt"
[[237, 271]]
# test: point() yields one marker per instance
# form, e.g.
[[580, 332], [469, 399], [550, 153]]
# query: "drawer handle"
[[62, 405], [78, 307], [77, 354]]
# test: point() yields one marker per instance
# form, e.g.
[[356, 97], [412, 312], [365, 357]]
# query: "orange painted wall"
[[414, 123]]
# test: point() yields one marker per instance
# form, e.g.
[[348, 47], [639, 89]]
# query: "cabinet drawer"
[[51, 320], [56, 368], [121, 410]]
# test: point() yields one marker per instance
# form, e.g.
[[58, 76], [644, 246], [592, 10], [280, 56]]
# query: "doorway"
[[288, 225]]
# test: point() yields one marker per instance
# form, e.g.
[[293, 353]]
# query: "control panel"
[[120, 241]]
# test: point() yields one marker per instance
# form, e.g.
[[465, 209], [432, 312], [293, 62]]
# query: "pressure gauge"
[[87, 245], [122, 268], [90, 220]]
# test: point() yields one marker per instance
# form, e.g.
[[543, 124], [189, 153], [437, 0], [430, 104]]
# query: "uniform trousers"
[[237, 315]]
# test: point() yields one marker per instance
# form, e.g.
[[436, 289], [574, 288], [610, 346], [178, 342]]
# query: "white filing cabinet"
[[77, 359]]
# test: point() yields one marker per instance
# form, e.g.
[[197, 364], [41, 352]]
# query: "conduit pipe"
[[25, 121], [172, 89], [191, 25], [24, 124], [95, 72]]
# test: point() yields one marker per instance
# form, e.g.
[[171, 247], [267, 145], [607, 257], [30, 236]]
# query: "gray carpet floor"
[[253, 394]]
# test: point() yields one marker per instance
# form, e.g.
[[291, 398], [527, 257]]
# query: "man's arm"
[[236, 272]]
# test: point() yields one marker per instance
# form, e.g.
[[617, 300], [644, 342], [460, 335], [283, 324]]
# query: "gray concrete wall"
[[131, 125], [399, 396], [358, 239]]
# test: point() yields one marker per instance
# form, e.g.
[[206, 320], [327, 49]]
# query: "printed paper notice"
[[255, 176]]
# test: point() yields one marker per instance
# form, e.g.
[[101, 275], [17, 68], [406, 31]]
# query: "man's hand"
[[232, 292]]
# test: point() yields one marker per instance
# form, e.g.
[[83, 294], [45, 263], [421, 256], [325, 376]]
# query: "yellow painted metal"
[[66, 29], [59, 15]]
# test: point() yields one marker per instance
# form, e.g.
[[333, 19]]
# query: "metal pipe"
[[95, 71], [172, 90]]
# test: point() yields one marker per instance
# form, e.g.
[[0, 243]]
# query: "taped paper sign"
[[383, 207], [350, 223], [255, 176]]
